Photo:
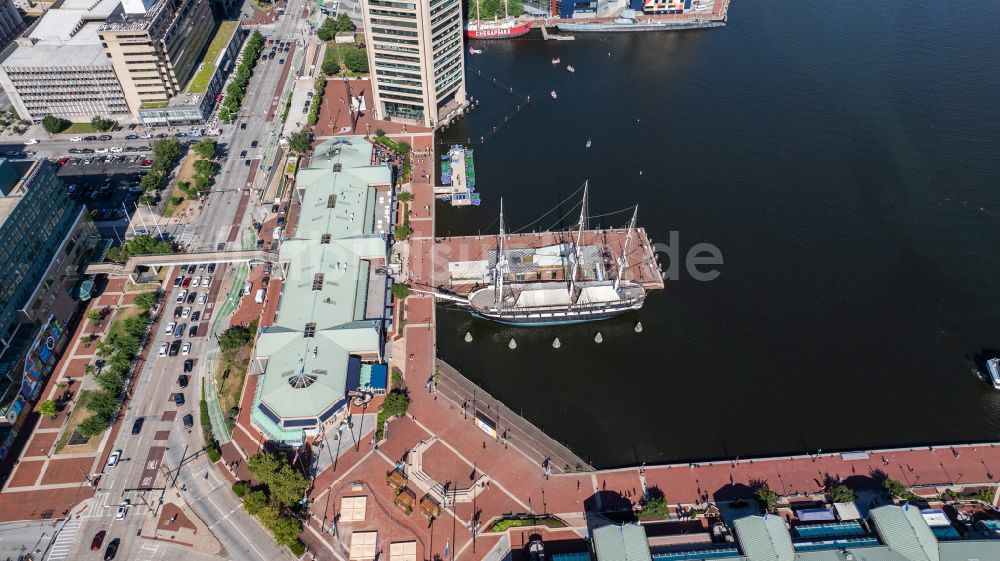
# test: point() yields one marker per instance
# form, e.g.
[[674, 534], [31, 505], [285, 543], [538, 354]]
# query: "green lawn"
[[204, 75], [117, 326], [80, 128]]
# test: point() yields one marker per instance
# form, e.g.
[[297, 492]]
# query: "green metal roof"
[[626, 542], [970, 550], [905, 531], [764, 538], [325, 285]]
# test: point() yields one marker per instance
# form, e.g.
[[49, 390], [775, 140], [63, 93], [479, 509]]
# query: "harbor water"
[[842, 157]]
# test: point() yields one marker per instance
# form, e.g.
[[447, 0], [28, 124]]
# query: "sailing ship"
[[500, 28], [584, 294]]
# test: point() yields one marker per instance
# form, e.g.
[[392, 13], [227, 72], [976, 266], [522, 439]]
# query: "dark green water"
[[845, 159]]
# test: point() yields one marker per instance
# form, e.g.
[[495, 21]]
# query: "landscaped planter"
[[503, 523]]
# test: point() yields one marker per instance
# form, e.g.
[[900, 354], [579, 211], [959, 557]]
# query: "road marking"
[[246, 540], [64, 541], [147, 551]]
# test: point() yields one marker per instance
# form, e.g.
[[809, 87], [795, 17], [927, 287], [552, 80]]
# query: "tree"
[[895, 488], [48, 408], [344, 23], [286, 529], [656, 507], [841, 494], [235, 337], [356, 60], [330, 66], [768, 499], [204, 167], [328, 30], [402, 232], [103, 403], [53, 124], [401, 291], [299, 142], [110, 381], [286, 485], [205, 148], [405, 197], [94, 315], [146, 301], [241, 488], [139, 245], [89, 369], [92, 426], [102, 124], [255, 502]]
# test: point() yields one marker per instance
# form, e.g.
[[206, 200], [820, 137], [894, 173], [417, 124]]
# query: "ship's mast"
[[479, 19], [579, 239], [506, 12], [498, 273], [623, 259]]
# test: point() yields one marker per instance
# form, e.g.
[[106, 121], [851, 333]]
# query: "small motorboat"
[[993, 366], [570, 68], [556, 61], [588, 143], [553, 94], [475, 52]]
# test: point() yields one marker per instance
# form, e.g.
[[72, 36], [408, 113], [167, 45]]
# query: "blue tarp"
[[380, 377], [815, 514]]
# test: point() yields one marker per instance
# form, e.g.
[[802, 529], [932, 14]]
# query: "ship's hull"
[[620, 28], [504, 32], [993, 365], [482, 304]]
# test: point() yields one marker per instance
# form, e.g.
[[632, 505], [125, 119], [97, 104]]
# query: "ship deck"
[[459, 264]]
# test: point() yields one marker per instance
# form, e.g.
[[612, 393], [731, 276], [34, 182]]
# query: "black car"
[[178, 281], [132, 137], [192, 269], [178, 399], [188, 366], [175, 347], [243, 154], [188, 421], [86, 150], [247, 163], [104, 137], [211, 267], [243, 126], [112, 549], [195, 315], [74, 150], [193, 332], [90, 138], [178, 311], [137, 425], [182, 380], [161, 135], [179, 330], [191, 297], [254, 144], [264, 281], [274, 207]]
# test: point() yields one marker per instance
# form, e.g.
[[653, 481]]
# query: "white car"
[[195, 282], [117, 149], [203, 297], [247, 288], [170, 327], [206, 282], [186, 348], [76, 139], [147, 135], [101, 150], [181, 296], [122, 511], [163, 349], [114, 458], [186, 312], [31, 141]]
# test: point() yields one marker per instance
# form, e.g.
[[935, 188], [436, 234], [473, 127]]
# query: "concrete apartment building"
[[415, 58], [44, 238], [10, 21], [155, 48], [58, 66]]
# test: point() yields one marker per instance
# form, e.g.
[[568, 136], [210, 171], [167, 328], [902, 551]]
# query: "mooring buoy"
[[598, 338], [468, 337], [555, 343], [638, 327], [512, 344]]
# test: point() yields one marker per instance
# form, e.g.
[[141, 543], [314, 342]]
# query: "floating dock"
[[458, 178]]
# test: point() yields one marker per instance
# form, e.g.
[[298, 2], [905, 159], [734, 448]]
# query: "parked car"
[[137, 425], [259, 297], [196, 282], [211, 268], [254, 144], [163, 349], [191, 297], [186, 282], [195, 315], [264, 281], [179, 330], [90, 138], [174, 347], [192, 269], [120, 515], [95, 544], [177, 312], [182, 380], [112, 549], [76, 139], [104, 137], [186, 348], [186, 312], [243, 154], [188, 421], [247, 288], [178, 399], [170, 328], [193, 332], [206, 282], [247, 163], [203, 297], [188, 365], [178, 281], [181, 296], [114, 458]]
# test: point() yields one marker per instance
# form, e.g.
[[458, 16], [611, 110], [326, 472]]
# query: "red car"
[[147, 162], [62, 161], [98, 540], [186, 283]]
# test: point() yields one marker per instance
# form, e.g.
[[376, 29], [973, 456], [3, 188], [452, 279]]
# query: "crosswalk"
[[64, 540], [147, 551]]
